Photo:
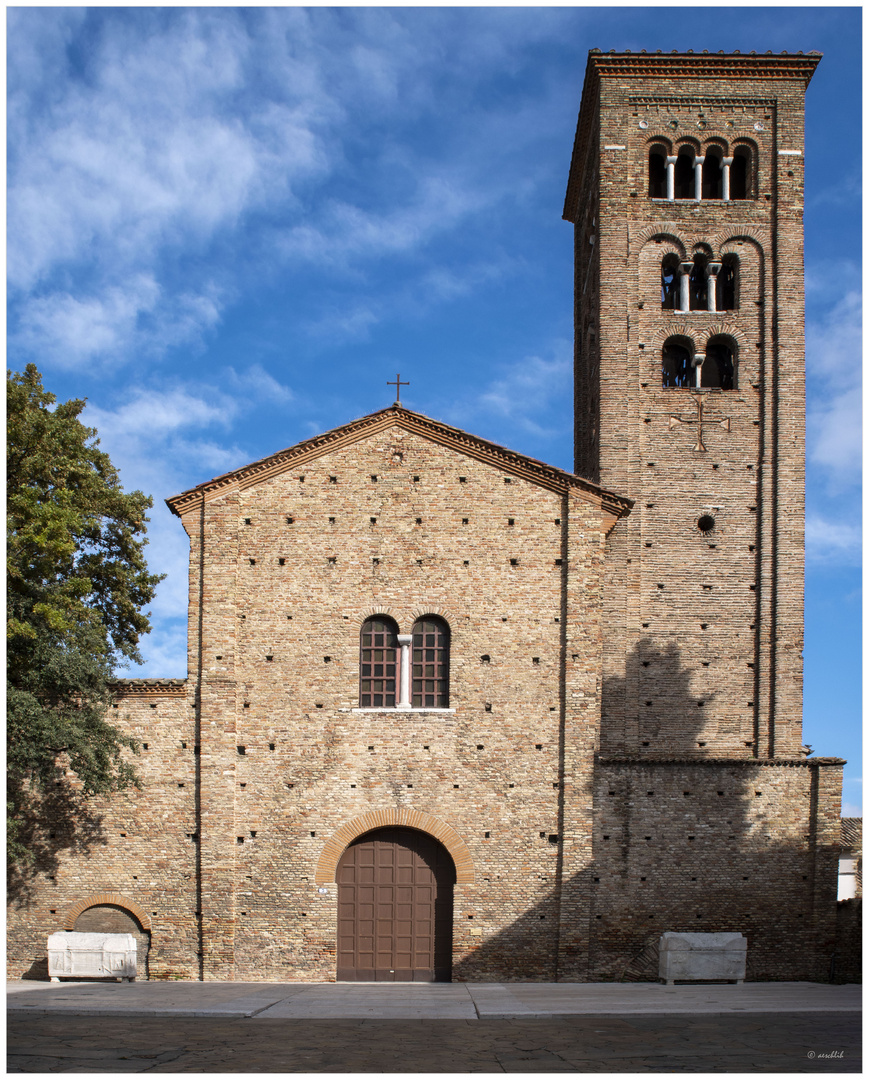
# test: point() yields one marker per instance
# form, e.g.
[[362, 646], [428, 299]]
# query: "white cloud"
[[526, 391], [74, 331], [258, 384], [834, 350], [347, 232], [832, 541]]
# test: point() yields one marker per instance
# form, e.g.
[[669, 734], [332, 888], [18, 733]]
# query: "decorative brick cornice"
[[99, 899], [499, 457], [695, 101], [704, 65], [337, 843], [150, 687], [720, 762]]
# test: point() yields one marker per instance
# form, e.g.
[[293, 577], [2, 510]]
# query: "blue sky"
[[227, 228]]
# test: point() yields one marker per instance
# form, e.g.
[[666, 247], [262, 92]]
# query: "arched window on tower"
[[378, 663], [430, 665], [719, 368], [698, 299], [684, 178], [670, 282], [740, 173], [677, 365], [658, 172], [728, 283], [713, 175]]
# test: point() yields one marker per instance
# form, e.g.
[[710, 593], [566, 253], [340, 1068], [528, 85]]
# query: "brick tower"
[[686, 192]]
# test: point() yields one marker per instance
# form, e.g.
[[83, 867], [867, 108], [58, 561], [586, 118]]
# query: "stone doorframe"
[[337, 843]]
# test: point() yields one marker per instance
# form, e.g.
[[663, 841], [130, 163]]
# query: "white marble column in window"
[[671, 178], [685, 269], [698, 178], [699, 360], [712, 272], [725, 178], [404, 641]]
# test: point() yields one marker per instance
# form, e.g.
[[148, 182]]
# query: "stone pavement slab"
[[386, 1001], [448, 1001], [507, 1000]]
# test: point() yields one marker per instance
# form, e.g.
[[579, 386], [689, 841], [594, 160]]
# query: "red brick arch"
[[97, 900], [335, 846], [663, 230]]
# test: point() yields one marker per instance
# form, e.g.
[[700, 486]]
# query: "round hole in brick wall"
[[706, 523]]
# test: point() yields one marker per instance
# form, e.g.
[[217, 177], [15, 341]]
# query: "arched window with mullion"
[[430, 665], [378, 663]]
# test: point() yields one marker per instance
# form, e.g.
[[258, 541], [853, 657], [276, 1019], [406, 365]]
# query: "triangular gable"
[[499, 457]]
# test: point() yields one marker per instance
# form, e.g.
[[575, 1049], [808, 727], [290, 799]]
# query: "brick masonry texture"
[[622, 750]]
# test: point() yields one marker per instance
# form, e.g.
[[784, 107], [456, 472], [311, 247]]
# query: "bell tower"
[[686, 194]]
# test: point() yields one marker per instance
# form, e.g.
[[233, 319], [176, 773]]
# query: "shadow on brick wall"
[[65, 820], [684, 840]]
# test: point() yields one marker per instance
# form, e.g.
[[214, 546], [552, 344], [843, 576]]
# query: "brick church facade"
[[454, 713]]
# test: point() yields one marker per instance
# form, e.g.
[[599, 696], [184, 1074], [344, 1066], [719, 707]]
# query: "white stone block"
[[91, 956], [702, 956]]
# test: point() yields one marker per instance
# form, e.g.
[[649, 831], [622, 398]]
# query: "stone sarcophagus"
[[91, 956], [692, 957]]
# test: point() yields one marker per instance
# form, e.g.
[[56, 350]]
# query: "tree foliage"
[[76, 585]]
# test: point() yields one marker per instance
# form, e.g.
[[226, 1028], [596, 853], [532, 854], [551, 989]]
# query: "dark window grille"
[[677, 368], [740, 173], [684, 176], [727, 284], [378, 663], [657, 174], [430, 665], [713, 176], [719, 370], [670, 282]]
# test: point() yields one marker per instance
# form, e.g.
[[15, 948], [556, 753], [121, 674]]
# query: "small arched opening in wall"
[[111, 913]]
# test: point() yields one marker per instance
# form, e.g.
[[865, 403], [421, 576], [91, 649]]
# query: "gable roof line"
[[490, 453]]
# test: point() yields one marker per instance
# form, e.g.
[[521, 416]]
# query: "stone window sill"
[[396, 709]]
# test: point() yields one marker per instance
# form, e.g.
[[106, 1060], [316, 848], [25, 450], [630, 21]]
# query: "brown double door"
[[395, 908]]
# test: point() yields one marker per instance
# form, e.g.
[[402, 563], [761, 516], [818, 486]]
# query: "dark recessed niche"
[[333, 479], [416, 479], [706, 523], [247, 521], [290, 520]]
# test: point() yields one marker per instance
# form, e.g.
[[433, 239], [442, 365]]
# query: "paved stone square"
[[817, 1042]]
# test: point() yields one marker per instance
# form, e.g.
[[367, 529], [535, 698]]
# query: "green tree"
[[76, 585]]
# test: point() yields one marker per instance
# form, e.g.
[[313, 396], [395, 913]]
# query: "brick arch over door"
[[100, 899], [334, 847]]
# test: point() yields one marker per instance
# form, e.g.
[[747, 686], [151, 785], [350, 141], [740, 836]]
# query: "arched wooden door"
[[395, 908]]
